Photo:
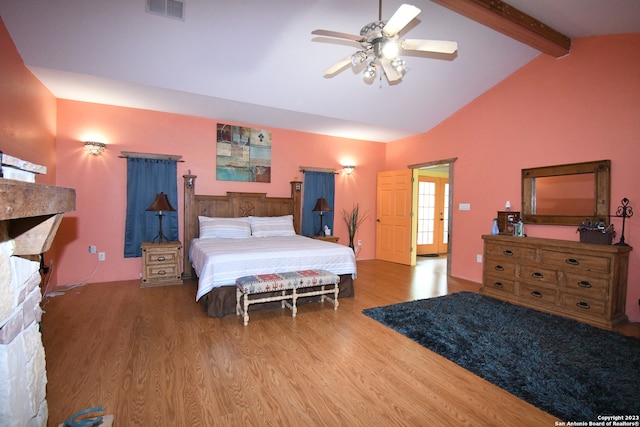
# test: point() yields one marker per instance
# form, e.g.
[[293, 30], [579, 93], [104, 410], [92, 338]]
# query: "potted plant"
[[353, 220]]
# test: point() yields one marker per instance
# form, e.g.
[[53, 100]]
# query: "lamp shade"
[[161, 203], [322, 206]]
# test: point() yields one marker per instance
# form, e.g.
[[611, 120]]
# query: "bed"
[[216, 261]]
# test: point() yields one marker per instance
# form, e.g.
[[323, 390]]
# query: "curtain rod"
[[131, 154], [310, 169]]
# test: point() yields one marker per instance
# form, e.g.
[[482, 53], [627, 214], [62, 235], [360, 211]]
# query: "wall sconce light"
[[94, 148], [348, 169]]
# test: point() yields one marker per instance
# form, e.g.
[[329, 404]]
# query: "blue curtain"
[[145, 179], [316, 185]]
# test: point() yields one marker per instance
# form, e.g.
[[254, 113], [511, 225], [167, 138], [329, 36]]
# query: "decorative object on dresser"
[[161, 264], [597, 233], [624, 211], [161, 203], [582, 281], [506, 222]]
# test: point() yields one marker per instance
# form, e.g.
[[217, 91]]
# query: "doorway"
[[397, 205], [442, 217], [433, 213]]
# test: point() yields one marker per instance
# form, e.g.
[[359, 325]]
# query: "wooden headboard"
[[233, 205]]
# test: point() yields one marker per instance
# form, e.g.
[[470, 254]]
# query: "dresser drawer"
[[537, 275], [160, 256], [583, 306], [499, 284], [538, 294], [499, 269], [576, 261], [162, 271], [508, 251], [591, 286]]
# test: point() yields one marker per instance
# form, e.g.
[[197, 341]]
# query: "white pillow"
[[272, 226], [224, 228]]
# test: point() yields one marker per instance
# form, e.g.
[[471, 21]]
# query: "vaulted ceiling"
[[256, 62]]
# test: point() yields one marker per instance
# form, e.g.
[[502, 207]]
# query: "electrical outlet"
[[92, 249], [479, 258], [101, 256], [359, 242]]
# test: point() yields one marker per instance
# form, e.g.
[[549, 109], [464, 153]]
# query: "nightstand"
[[332, 239], [161, 264]]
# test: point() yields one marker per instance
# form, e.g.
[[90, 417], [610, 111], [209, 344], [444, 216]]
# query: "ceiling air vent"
[[170, 8]]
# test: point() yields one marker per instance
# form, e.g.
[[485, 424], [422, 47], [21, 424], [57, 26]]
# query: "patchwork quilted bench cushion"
[[286, 285], [282, 281]]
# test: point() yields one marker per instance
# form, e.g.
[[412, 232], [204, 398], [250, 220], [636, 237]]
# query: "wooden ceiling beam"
[[512, 22]]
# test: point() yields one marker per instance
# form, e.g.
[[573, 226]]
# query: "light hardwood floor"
[[153, 358]]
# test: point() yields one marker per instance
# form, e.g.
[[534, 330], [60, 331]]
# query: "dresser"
[[161, 264], [586, 282]]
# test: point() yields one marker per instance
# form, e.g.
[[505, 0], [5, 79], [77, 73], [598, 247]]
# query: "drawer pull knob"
[[572, 261], [537, 275], [161, 272], [499, 268], [583, 304], [508, 252], [498, 285], [161, 258], [537, 294], [584, 284]]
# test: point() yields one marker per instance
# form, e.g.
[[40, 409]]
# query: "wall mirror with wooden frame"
[[566, 194]]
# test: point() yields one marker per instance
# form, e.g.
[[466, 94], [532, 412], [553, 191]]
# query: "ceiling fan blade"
[[438, 46], [391, 73], [338, 66], [400, 19], [327, 33]]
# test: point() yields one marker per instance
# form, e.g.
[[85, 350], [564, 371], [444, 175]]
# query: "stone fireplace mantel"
[[30, 214]]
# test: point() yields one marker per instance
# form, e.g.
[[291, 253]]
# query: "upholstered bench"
[[285, 287]]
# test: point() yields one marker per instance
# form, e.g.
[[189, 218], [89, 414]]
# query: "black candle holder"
[[625, 211]]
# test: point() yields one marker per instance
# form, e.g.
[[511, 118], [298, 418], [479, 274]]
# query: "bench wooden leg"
[[246, 309], [238, 297]]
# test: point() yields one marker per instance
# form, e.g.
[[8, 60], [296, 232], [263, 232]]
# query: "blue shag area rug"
[[569, 369]]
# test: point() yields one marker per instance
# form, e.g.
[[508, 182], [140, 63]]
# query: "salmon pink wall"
[[27, 112], [100, 181], [582, 107]]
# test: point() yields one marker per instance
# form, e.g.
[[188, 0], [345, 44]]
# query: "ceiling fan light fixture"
[[390, 49], [358, 58], [399, 64], [381, 45], [370, 71]]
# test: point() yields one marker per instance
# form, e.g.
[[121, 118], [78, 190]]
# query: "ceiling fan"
[[381, 45]]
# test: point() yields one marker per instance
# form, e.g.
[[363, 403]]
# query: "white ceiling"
[[256, 62]]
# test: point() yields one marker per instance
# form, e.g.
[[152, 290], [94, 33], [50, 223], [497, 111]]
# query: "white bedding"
[[219, 262]]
